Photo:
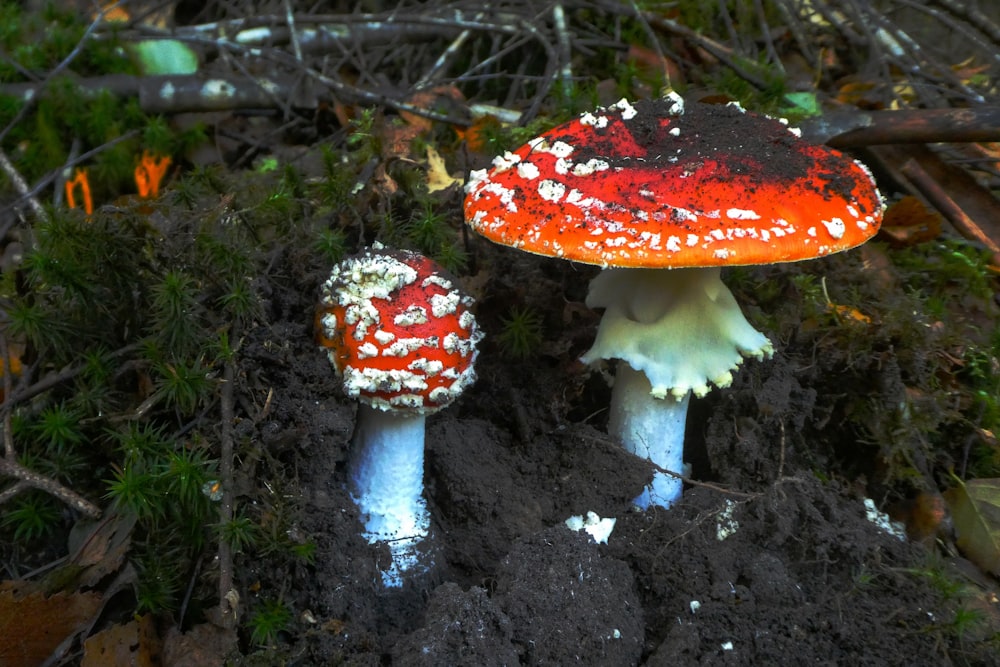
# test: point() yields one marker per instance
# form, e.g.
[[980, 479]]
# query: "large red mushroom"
[[401, 335], [661, 194]]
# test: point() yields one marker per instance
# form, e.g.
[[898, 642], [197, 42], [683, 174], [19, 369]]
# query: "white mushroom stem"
[[387, 478], [651, 428], [675, 332]]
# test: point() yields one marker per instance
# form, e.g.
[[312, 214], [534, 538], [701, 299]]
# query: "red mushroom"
[[665, 195], [400, 334]]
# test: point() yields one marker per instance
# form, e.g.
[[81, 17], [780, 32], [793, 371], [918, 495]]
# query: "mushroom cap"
[[398, 331], [664, 184]]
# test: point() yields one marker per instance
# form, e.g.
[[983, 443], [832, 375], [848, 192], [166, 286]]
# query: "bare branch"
[[49, 486], [21, 186]]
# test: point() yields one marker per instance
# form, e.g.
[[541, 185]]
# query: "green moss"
[[240, 533], [451, 256], [31, 516], [427, 228], [498, 138], [939, 267], [331, 245], [174, 314], [159, 581], [521, 334], [338, 177], [269, 619]]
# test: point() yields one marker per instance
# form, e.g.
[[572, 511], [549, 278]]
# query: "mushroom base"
[[387, 484], [651, 428]]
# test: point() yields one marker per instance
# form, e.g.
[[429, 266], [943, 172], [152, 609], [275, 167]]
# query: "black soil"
[[770, 560]]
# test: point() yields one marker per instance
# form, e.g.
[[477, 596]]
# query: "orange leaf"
[[476, 135]]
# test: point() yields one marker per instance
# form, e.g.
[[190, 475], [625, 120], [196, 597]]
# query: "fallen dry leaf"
[[438, 177], [135, 644], [33, 625], [398, 134], [975, 512], [99, 547], [909, 221]]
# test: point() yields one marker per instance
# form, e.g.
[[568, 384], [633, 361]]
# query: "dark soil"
[[773, 562]]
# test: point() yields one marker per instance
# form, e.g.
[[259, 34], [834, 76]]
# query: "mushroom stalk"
[[674, 332], [651, 428], [387, 478]]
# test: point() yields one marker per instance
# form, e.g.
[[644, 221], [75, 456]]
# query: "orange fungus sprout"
[[79, 178], [149, 173]]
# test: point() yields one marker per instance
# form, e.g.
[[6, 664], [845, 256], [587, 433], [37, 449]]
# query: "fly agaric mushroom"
[[400, 334], [661, 196]]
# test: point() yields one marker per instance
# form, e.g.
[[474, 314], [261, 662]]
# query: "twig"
[[765, 29], [28, 479], [967, 11], [22, 187], [443, 60], [914, 58], [385, 28], [8, 389], [654, 41], [943, 202], [727, 20], [290, 17], [565, 48], [12, 491], [49, 486], [968, 34], [794, 26], [704, 485], [719, 51], [226, 597], [687, 480], [905, 126], [178, 93], [23, 393]]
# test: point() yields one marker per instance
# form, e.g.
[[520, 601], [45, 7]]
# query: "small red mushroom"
[[402, 337], [661, 194]]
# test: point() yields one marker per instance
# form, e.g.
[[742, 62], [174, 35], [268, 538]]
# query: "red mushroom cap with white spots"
[[664, 184], [398, 331]]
